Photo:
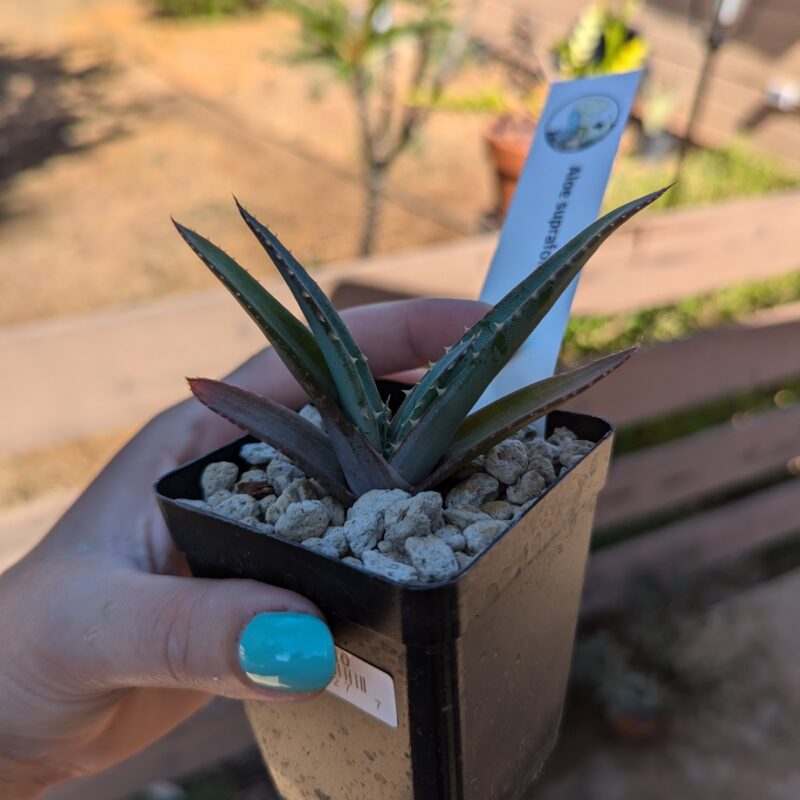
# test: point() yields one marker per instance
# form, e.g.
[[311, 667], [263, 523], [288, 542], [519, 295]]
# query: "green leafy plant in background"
[[386, 53], [707, 176], [205, 8], [432, 434], [602, 41]]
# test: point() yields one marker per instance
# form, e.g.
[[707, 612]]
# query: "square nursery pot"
[[448, 690]]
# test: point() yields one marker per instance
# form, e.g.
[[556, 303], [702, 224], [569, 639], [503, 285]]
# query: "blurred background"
[[382, 140]]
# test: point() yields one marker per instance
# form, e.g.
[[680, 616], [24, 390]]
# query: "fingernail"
[[288, 651]]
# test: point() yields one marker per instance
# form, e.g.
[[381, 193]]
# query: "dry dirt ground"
[[112, 120]]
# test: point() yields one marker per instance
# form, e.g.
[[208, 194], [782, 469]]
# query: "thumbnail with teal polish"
[[288, 651]]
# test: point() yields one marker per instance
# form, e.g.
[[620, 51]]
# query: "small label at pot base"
[[364, 686]]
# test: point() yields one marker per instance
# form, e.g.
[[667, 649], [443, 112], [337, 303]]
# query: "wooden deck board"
[[697, 468], [693, 545], [706, 367]]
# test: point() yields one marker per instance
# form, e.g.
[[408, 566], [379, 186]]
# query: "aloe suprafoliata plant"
[[432, 434]]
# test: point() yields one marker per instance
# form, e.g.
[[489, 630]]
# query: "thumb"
[[236, 638]]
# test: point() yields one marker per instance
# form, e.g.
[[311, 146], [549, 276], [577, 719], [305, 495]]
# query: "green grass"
[[204, 8], [708, 176], [591, 335]]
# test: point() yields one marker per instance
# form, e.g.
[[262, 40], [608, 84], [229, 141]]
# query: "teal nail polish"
[[288, 651]]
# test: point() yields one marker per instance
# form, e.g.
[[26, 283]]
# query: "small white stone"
[[507, 461], [310, 413], [474, 491], [253, 475], [335, 538], [573, 452], [188, 501], [561, 436], [320, 546], [401, 521], [237, 506], [335, 510], [539, 447], [529, 486], [389, 568], [363, 532], [261, 527], [544, 466], [353, 561], [257, 453], [265, 503], [452, 537], [219, 475], [218, 496], [376, 501], [295, 492], [431, 557], [276, 508], [480, 535], [464, 560], [527, 433], [464, 517], [303, 520], [281, 473], [498, 509]]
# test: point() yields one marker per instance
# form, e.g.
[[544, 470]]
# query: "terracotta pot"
[[508, 140]]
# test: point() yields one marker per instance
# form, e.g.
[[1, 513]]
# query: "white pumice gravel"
[[431, 558], [363, 532], [257, 453], [253, 476], [480, 535], [310, 413], [218, 496], [408, 538], [335, 538], [281, 473], [572, 452], [388, 567], [303, 520], [528, 487], [498, 509], [507, 461], [220, 475], [474, 491], [464, 517], [452, 537], [237, 506]]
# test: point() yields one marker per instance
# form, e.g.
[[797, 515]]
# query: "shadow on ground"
[[49, 107]]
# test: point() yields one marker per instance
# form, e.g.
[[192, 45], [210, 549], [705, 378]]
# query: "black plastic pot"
[[477, 665]]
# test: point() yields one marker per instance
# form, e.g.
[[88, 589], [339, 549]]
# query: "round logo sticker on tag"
[[581, 124]]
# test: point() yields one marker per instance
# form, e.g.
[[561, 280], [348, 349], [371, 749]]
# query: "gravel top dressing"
[[421, 538]]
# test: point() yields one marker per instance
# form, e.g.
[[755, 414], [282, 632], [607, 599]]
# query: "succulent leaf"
[[506, 416], [364, 467], [431, 414], [270, 422], [358, 394], [294, 343]]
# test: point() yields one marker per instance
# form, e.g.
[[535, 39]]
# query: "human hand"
[[108, 642]]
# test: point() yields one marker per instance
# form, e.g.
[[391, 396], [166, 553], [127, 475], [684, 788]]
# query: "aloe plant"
[[432, 434]]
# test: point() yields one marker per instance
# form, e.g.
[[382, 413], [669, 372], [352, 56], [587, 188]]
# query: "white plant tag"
[[364, 686], [559, 193]]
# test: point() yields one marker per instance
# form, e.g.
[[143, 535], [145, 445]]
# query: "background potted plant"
[[461, 602], [602, 41]]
